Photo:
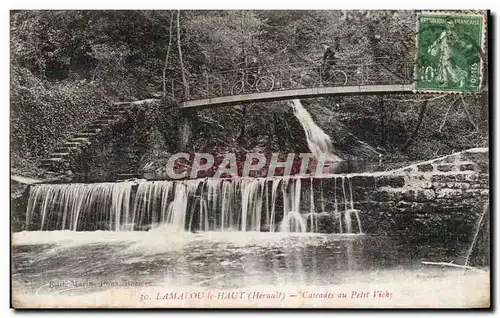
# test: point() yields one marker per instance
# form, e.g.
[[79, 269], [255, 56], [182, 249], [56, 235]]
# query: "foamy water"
[[47, 264], [318, 141], [165, 237]]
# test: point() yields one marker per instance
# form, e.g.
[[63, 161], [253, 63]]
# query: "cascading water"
[[318, 141], [284, 204], [241, 204], [321, 147], [292, 221]]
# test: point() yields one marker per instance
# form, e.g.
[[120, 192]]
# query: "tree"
[[183, 73], [168, 53]]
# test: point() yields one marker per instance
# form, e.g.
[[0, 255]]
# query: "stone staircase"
[[61, 158]]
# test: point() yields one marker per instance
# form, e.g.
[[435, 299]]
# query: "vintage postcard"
[[249, 159]]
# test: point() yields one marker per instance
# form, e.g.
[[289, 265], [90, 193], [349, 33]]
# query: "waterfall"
[[283, 204], [293, 220], [66, 205], [349, 209], [239, 204], [318, 141], [356, 212]]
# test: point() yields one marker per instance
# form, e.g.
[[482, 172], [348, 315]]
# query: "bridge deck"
[[296, 93]]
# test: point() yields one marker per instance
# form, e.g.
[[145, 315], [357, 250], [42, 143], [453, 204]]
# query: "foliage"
[[44, 113], [68, 65]]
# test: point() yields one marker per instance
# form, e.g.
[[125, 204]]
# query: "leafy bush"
[[43, 114]]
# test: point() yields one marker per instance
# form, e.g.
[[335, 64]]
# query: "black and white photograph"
[[249, 159]]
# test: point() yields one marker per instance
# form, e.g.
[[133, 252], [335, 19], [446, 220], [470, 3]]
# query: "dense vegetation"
[[68, 66]]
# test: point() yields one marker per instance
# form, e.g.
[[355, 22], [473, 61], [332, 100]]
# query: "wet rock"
[[483, 179], [404, 204], [444, 178], [264, 228], [409, 195], [420, 177], [471, 178], [419, 195], [452, 158], [473, 193], [476, 157], [477, 186], [410, 169], [321, 222], [363, 181], [483, 167], [364, 194], [467, 167], [425, 195], [449, 193], [426, 185], [425, 167], [445, 168], [386, 205], [457, 185], [439, 185], [389, 196], [391, 181]]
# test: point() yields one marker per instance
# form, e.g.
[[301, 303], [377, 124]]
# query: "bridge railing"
[[351, 72]]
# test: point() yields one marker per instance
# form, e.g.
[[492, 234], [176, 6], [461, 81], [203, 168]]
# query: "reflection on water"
[[216, 259]]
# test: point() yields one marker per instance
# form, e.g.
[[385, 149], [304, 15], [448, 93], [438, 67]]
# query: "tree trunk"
[[419, 122], [184, 81], [478, 228], [168, 53]]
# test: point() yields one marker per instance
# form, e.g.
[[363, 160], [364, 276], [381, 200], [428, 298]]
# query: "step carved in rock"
[[103, 122], [85, 135], [67, 149], [97, 126], [59, 155], [91, 131], [59, 159], [109, 117], [80, 140], [70, 144]]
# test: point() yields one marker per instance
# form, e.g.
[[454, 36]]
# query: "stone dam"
[[438, 199]]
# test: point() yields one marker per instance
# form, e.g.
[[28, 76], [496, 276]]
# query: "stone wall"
[[441, 198]]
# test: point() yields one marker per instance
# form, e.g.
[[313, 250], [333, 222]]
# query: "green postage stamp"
[[449, 52]]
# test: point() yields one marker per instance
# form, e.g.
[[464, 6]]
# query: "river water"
[[216, 243], [60, 267]]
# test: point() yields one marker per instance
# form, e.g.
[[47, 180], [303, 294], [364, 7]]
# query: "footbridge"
[[250, 85], [289, 81]]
